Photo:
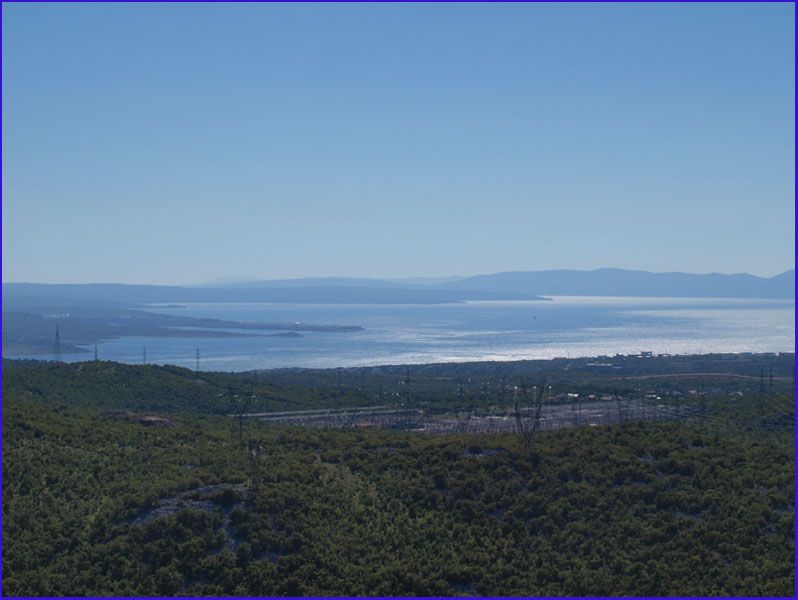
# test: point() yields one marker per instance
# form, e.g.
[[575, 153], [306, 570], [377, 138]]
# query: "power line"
[[57, 345], [408, 392], [255, 451]]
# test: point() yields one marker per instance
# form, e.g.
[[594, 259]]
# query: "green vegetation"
[[443, 387], [111, 385], [642, 509]]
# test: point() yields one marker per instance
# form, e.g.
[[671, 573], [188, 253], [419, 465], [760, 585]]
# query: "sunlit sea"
[[396, 334]]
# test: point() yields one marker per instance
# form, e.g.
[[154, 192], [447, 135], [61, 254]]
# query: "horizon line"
[[250, 279]]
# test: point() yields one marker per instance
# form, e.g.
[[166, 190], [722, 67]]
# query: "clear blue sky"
[[176, 144]]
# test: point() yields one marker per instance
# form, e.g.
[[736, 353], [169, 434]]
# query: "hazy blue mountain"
[[428, 280], [519, 285], [304, 282], [224, 281], [619, 282], [251, 282]]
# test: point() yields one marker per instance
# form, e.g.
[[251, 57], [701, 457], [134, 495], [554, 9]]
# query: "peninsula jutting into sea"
[[496, 317]]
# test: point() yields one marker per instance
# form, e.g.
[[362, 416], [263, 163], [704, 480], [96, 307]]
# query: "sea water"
[[405, 333]]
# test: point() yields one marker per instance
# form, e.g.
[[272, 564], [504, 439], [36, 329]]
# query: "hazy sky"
[[172, 144]]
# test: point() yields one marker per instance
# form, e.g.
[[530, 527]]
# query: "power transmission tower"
[[519, 419], [644, 402], [574, 413], [526, 433], [408, 393], [538, 399], [197, 369], [703, 413], [255, 451], [240, 406], [57, 345], [95, 353], [641, 415]]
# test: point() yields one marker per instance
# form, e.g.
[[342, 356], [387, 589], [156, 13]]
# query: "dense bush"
[[637, 509]]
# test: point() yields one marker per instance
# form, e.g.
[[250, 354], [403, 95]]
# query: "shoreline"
[[562, 361]]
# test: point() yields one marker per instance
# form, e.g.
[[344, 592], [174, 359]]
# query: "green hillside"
[[643, 509]]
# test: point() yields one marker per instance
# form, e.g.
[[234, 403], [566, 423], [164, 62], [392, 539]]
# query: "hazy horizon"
[[246, 278]]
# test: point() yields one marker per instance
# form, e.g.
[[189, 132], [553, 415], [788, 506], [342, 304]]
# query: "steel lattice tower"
[[57, 345]]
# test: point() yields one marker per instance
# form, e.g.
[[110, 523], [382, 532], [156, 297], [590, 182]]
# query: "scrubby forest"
[[131, 480]]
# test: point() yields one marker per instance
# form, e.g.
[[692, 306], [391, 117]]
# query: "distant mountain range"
[[520, 285], [101, 311], [600, 282], [619, 282], [252, 282]]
